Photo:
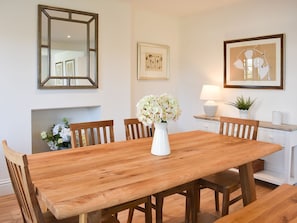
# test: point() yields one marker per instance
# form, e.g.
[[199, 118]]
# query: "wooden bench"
[[280, 205]]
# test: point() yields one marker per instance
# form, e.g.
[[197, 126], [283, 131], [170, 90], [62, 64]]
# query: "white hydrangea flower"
[[57, 128], [65, 134], [43, 135], [157, 109]]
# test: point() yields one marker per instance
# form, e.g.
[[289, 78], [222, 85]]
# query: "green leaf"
[[243, 103]]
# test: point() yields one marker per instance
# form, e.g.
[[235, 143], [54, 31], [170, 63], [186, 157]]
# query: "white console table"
[[280, 167]]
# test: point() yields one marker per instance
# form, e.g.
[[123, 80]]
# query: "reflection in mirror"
[[68, 48]]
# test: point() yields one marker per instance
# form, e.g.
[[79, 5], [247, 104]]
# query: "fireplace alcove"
[[43, 119]]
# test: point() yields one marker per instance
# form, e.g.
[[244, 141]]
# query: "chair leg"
[[148, 211], [130, 215], [198, 197], [188, 207], [159, 209], [217, 201], [225, 208]]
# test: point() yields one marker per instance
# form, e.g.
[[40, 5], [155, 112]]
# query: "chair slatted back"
[[240, 128], [17, 164], [91, 133], [135, 129]]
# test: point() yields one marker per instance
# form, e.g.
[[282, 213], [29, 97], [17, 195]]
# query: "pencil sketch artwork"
[[255, 62], [153, 62]]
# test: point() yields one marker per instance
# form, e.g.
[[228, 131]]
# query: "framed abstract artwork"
[[152, 61], [254, 62]]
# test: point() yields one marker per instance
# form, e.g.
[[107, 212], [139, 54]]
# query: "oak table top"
[[78, 181]]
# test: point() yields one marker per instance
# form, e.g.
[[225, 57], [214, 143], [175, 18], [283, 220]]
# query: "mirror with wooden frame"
[[67, 48]]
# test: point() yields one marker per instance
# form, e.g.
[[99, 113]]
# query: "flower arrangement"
[[58, 136], [156, 109]]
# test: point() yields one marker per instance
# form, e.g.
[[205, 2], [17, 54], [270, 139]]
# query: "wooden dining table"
[[83, 180]]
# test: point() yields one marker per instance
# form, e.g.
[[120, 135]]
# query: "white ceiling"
[[179, 7]]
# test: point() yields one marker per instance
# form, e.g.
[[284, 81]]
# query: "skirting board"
[[5, 187]]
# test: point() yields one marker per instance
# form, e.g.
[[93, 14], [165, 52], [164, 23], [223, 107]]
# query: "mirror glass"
[[68, 48]]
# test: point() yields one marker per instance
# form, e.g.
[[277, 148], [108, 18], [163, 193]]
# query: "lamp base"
[[210, 109]]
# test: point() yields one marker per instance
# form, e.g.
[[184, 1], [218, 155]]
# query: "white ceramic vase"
[[52, 146], [160, 145]]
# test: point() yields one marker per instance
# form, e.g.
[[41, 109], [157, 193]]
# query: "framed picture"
[[152, 61], [59, 69], [254, 62], [69, 67]]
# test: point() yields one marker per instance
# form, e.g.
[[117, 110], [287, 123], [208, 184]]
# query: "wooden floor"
[[173, 208]]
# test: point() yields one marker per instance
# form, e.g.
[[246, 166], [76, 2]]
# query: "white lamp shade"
[[210, 92]]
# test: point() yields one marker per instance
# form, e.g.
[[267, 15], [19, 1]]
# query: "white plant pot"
[[244, 114]]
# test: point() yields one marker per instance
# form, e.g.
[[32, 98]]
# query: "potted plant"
[[243, 105]]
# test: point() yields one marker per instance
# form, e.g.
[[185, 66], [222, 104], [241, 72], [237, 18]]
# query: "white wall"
[[18, 70], [202, 58], [196, 56], [158, 29]]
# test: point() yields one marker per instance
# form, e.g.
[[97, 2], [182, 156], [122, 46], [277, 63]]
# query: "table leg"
[[95, 216], [247, 183], [83, 218], [194, 200]]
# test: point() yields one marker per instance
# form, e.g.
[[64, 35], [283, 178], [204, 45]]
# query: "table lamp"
[[210, 93]]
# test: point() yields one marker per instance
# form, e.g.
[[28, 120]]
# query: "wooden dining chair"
[[135, 130], [100, 132], [228, 181], [91, 133], [17, 164]]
